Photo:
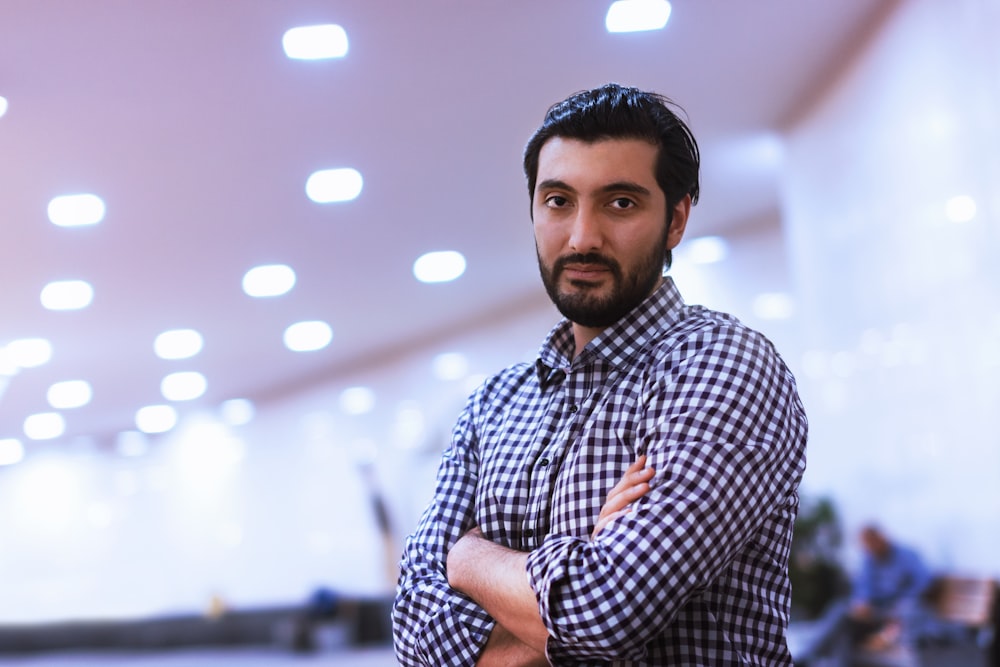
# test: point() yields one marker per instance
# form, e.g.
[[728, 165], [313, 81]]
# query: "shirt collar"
[[617, 344]]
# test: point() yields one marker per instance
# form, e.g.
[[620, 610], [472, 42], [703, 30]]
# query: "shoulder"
[[710, 364], [714, 340], [507, 380], [501, 387]]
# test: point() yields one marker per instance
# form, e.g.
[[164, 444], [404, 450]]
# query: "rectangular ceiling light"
[[315, 42]]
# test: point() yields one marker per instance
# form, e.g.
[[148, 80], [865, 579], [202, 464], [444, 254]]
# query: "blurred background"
[[247, 283]]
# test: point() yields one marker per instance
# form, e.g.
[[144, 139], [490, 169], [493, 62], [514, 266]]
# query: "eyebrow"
[[554, 184], [617, 186], [626, 186]]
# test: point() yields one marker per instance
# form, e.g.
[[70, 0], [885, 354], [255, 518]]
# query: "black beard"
[[627, 292]]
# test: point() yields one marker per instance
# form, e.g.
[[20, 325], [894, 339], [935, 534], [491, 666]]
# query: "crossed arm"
[[495, 577], [723, 471]]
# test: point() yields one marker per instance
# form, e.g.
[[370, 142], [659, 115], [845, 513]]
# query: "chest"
[[551, 454]]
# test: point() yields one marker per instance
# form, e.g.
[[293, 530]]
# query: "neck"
[[582, 335]]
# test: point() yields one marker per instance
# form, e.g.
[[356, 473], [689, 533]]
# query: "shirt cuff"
[[456, 634], [547, 567]]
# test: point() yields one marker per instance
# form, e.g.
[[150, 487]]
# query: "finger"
[[631, 480], [604, 521], [629, 484], [633, 485], [619, 501], [636, 468]]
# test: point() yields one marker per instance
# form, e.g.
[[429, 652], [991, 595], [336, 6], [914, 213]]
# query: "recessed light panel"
[[178, 344], [131, 443], [3, 106], [315, 42], [28, 352], [268, 280], [76, 210], [156, 418], [357, 400], [11, 451], [773, 306], [706, 250], [439, 267], [308, 336], [961, 208], [69, 394], [451, 366], [44, 426], [237, 411], [637, 15], [67, 295], [184, 386], [327, 186], [7, 367]]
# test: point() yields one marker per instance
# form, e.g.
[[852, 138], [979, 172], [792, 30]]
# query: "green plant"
[[814, 563]]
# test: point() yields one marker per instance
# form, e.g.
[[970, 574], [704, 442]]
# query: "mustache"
[[591, 258]]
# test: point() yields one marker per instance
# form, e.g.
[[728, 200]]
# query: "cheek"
[[642, 241], [546, 238]]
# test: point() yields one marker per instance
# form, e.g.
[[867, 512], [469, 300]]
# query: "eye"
[[622, 203], [556, 201]]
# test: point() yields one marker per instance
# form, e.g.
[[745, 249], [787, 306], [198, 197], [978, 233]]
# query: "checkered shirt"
[[696, 574]]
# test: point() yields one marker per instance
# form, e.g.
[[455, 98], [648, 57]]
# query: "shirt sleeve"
[[432, 623], [920, 576], [895, 584], [725, 432], [913, 578]]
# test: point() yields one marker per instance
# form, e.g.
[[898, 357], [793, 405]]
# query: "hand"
[[861, 611], [633, 485], [884, 639]]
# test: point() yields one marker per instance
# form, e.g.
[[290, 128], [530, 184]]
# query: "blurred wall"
[[247, 514], [892, 209]]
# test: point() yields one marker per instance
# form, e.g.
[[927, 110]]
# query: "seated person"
[[886, 595]]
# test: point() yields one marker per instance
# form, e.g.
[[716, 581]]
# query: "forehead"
[[596, 163]]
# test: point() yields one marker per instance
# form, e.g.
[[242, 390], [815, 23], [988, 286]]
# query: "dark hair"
[[616, 112]]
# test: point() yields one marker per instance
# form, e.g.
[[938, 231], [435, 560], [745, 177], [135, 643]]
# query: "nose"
[[586, 234]]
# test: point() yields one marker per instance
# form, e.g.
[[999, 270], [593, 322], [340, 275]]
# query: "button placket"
[[535, 520]]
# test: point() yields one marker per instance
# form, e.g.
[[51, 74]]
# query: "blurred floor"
[[261, 657], [967, 656]]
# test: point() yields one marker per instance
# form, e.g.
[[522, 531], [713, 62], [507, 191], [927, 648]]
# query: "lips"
[[584, 271], [585, 268]]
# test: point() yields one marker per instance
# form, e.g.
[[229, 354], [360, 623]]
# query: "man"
[[627, 499], [886, 596]]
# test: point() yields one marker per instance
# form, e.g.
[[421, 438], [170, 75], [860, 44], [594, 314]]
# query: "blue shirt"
[[887, 583], [696, 574]]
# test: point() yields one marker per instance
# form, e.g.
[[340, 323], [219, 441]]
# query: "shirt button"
[[574, 408], [528, 532]]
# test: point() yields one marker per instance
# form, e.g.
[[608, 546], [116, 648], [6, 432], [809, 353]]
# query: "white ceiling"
[[188, 120]]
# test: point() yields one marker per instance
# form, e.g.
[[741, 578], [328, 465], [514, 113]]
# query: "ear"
[[678, 222]]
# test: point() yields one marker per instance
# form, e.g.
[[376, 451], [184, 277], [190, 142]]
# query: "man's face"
[[600, 223], [875, 544]]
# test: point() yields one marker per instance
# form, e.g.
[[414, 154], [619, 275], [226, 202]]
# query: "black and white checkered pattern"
[[696, 573]]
